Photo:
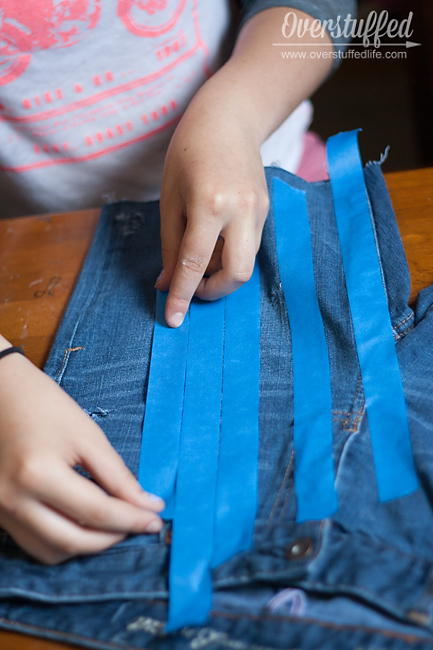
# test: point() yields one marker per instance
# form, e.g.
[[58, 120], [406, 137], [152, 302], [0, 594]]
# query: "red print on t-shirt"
[[30, 25], [111, 102], [144, 17]]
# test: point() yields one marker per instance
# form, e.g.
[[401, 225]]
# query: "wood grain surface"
[[412, 197], [12, 641], [40, 259]]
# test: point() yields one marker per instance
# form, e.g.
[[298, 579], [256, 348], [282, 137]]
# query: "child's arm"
[[214, 183], [46, 506]]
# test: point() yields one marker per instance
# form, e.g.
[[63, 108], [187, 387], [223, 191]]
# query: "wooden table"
[[40, 259]]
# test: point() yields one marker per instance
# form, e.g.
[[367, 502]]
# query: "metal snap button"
[[299, 549]]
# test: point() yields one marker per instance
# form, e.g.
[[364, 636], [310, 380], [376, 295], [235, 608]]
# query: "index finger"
[[195, 252]]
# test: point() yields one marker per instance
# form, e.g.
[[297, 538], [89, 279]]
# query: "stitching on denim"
[[292, 619], [326, 624], [358, 414], [240, 578], [286, 498], [411, 638], [358, 385], [349, 413], [79, 598], [401, 335], [286, 473], [379, 544], [288, 492], [403, 321], [67, 351]]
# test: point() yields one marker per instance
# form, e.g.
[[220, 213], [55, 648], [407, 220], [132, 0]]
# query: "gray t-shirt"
[[91, 92]]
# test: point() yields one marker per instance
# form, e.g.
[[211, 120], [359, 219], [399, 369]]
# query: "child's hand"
[[214, 186], [214, 183], [46, 506]]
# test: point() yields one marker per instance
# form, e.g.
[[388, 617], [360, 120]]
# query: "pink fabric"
[[312, 165]]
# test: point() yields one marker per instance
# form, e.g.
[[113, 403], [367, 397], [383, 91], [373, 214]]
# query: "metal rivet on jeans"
[[167, 537], [299, 549]]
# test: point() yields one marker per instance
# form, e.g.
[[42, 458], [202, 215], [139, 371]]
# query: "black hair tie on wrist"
[[11, 350]]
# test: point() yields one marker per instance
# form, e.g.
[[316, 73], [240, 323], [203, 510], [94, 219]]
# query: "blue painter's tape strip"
[[236, 501], [384, 397], [312, 430], [164, 405], [190, 577]]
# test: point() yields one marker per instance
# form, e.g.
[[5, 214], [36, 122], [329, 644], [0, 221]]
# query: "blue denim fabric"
[[365, 575]]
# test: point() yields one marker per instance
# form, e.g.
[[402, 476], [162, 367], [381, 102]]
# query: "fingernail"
[[152, 497], [160, 277], [176, 319], [154, 526]]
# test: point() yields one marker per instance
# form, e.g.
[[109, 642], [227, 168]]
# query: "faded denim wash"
[[362, 579]]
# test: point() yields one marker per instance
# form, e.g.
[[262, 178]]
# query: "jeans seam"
[[358, 384], [66, 356], [401, 335], [288, 492], [325, 624], [355, 423], [358, 414], [404, 320], [425, 314], [286, 474], [107, 234]]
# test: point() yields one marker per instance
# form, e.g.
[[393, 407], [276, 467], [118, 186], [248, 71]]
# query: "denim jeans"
[[361, 579]]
